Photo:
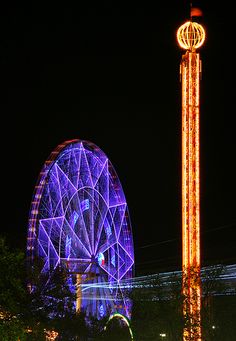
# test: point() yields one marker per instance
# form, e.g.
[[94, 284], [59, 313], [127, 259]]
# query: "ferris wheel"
[[79, 219]]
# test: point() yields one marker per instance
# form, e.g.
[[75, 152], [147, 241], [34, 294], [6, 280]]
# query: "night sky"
[[108, 72]]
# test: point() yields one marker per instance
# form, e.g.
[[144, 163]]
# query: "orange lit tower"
[[191, 36]]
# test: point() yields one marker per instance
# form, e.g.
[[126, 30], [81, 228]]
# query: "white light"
[[213, 327], [163, 335]]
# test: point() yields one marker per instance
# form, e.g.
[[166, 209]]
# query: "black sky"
[[108, 72]]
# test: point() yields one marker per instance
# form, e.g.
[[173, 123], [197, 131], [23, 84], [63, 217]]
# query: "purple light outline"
[[126, 252], [108, 247], [108, 272], [86, 160], [83, 223], [78, 162], [55, 221], [120, 204], [122, 220], [71, 147], [77, 238], [88, 168], [49, 244], [85, 189], [60, 202], [42, 248], [102, 226], [100, 230], [66, 177], [103, 166], [81, 149], [132, 261], [49, 240], [83, 246], [87, 269]]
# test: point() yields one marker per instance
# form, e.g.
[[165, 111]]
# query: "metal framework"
[[191, 36], [79, 219]]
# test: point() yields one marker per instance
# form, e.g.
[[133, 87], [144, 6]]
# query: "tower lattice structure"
[[191, 36]]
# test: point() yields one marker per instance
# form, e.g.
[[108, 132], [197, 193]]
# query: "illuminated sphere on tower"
[[190, 35]]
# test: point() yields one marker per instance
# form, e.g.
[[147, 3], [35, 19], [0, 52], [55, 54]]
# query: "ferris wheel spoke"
[[102, 184], [84, 248], [127, 269], [100, 224], [66, 188], [103, 268], [88, 267], [85, 175], [105, 164], [122, 222], [88, 167], [78, 161], [83, 225], [118, 218], [71, 167], [90, 216], [68, 163], [42, 248], [50, 226], [103, 248], [50, 197], [47, 204], [92, 222], [126, 253], [51, 251], [63, 179]]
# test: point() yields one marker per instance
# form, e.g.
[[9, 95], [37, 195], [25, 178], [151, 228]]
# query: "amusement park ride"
[[79, 219], [79, 216], [191, 36]]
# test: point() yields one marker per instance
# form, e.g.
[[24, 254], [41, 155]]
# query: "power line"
[[221, 227], [175, 239], [158, 243]]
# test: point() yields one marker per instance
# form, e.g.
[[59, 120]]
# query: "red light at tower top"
[[191, 36]]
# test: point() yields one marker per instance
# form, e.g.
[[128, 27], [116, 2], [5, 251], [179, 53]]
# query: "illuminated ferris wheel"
[[79, 219]]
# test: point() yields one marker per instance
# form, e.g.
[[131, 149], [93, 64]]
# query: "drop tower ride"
[[191, 36]]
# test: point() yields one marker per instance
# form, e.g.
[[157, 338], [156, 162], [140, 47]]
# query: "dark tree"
[[12, 293]]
